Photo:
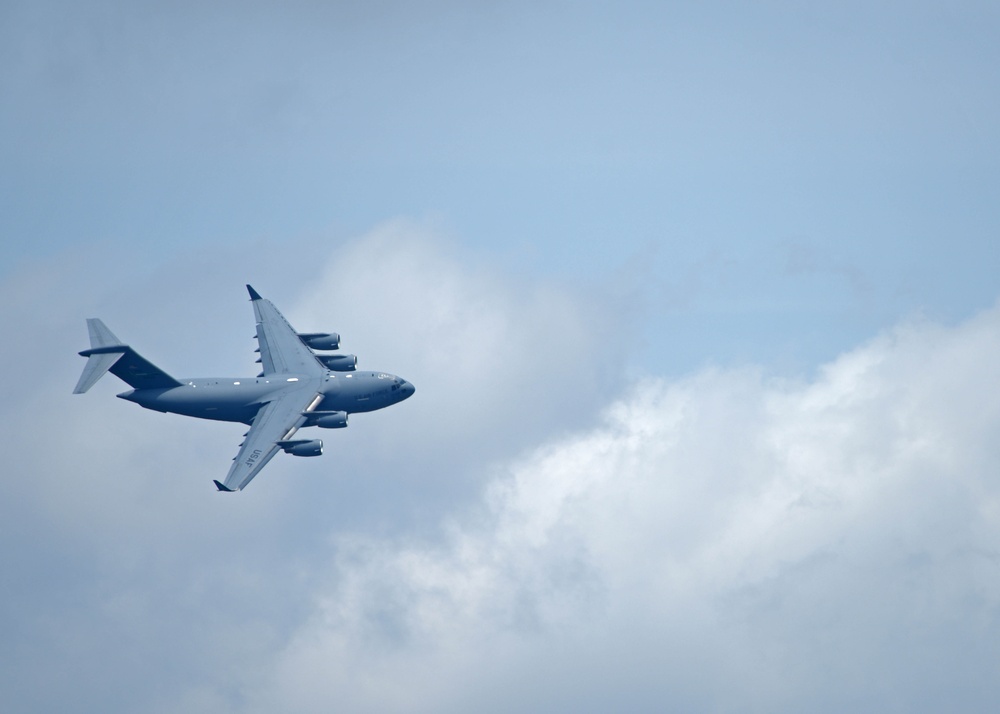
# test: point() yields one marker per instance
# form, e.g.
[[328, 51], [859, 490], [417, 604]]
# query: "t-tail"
[[108, 354]]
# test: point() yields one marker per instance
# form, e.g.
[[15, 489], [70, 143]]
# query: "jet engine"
[[320, 340], [302, 447], [339, 363], [329, 420]]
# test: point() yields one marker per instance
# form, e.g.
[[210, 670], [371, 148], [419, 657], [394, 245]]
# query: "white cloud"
[[728, 542], [499, 362], [119, 550]]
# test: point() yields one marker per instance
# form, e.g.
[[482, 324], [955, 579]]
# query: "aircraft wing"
[[276, 421], [281, 350]]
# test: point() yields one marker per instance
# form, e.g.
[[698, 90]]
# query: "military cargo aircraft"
[[296, 388]]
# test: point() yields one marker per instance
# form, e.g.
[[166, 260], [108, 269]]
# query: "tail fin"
[[107, 353]]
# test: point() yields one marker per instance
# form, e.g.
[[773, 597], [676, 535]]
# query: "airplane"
[[297, 388]]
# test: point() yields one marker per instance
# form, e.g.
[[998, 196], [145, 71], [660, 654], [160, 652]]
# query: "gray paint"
[[294, 390]]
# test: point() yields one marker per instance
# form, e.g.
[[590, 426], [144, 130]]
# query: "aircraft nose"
[[407, 389]]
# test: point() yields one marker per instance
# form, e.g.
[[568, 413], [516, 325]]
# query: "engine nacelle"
[[321, 340], [302, 447], [339, 363], [329, 420]]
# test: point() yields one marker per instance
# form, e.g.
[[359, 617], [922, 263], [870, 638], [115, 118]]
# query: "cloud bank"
[[512, 538], [726, 542]]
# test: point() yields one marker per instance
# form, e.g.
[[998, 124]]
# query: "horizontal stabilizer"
[[108, 353], [97, 366], [100, 335], [222, 488], [105, 350]]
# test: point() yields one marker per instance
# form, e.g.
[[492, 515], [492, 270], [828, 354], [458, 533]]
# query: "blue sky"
[[769, 165], [655, 244]]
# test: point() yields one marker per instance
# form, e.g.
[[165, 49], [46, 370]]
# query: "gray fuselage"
[[239, 398]]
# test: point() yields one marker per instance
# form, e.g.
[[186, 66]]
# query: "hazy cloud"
[[634, 189], [122, 557], [726, 542]]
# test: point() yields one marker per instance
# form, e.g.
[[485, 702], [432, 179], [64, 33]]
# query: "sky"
[[699, 300]]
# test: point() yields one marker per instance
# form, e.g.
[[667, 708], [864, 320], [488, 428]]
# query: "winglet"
[[254, 295], [219, 485]]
